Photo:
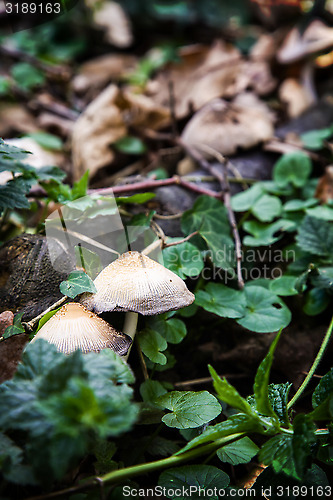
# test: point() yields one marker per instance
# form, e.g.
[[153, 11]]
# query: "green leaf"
[[314, 139], [264, 312], [13, 195], [261, 381], [88, 260], [130, 145], [236, 424], [292, 168], [209, 217], [316, 301], [27, 76], [238, 452], [323, 390], [241, 202], [151, 390], [296, 205], [278, 398], [183, 479], [322, 212], [45, 318], [267, 208], [316, 237], [16, 328], [323, 278], [151, 344], [278, 452], [303, 439], [184, 259], [221, 300], [77, 283], [139, 198], [265, 234], [283, 285], [46, 140], [189, 409], [227, 393], [175, 330], [80, 187]]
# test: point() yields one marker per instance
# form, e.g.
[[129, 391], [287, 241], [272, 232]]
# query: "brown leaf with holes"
[[224, 127]]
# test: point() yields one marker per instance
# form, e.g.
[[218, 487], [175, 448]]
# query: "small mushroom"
[[134, 282], [137, 284], [74, 327]]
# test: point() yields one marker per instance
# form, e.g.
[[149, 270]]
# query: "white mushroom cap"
[[134, 282], [73, 327]]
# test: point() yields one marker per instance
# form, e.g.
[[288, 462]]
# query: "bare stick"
[[33, 322], [174, 243], [225, 196]]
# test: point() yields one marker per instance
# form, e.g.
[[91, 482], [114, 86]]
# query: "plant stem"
[[314, 365], [130, 324]]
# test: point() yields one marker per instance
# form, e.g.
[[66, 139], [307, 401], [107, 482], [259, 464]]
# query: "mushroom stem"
[[130, 324]]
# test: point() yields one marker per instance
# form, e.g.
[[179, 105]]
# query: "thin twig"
[[224, 196], [174, 243], [172, 106]]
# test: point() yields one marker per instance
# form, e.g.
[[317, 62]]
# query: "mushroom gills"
[[73, 327]]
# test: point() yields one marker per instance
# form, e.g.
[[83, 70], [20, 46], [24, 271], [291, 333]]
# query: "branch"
[[224, 196]]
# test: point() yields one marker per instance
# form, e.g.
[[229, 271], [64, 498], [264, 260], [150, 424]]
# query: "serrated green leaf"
[[189, 409], [151, 344], [264, 312], [221, 300], [261, 381], [227, 393], [238, 452], [303, 439], [315, 236], [292, 168], [77, 283], [206, 477], [13, 195], [278, 452], [278, 398], [184, 259]]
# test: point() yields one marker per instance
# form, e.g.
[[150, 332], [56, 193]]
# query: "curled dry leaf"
[[204, 73], [295, 96], [95, 74], [107, 120], [112, 17], [225, 127]]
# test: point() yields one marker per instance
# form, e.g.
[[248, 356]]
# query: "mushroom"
[[136, 283], [305, 47], [75, 327]]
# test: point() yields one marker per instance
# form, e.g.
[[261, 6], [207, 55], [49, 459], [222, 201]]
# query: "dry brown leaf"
[[107, 120], [204, 73], [295, 96], [14, 119], [112, 17], [225, 127], [10, 355], [324, 190], [95, 74], [265, 48]]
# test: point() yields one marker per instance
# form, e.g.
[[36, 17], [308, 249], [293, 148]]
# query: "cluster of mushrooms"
[[133, 283]]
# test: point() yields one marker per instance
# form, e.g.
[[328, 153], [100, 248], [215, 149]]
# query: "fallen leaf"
[[14, 119], [225, 127], [105, 121], [95, 74], [204, 73], [6, 319], [295, 96], [324, 190], [10, 355]]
